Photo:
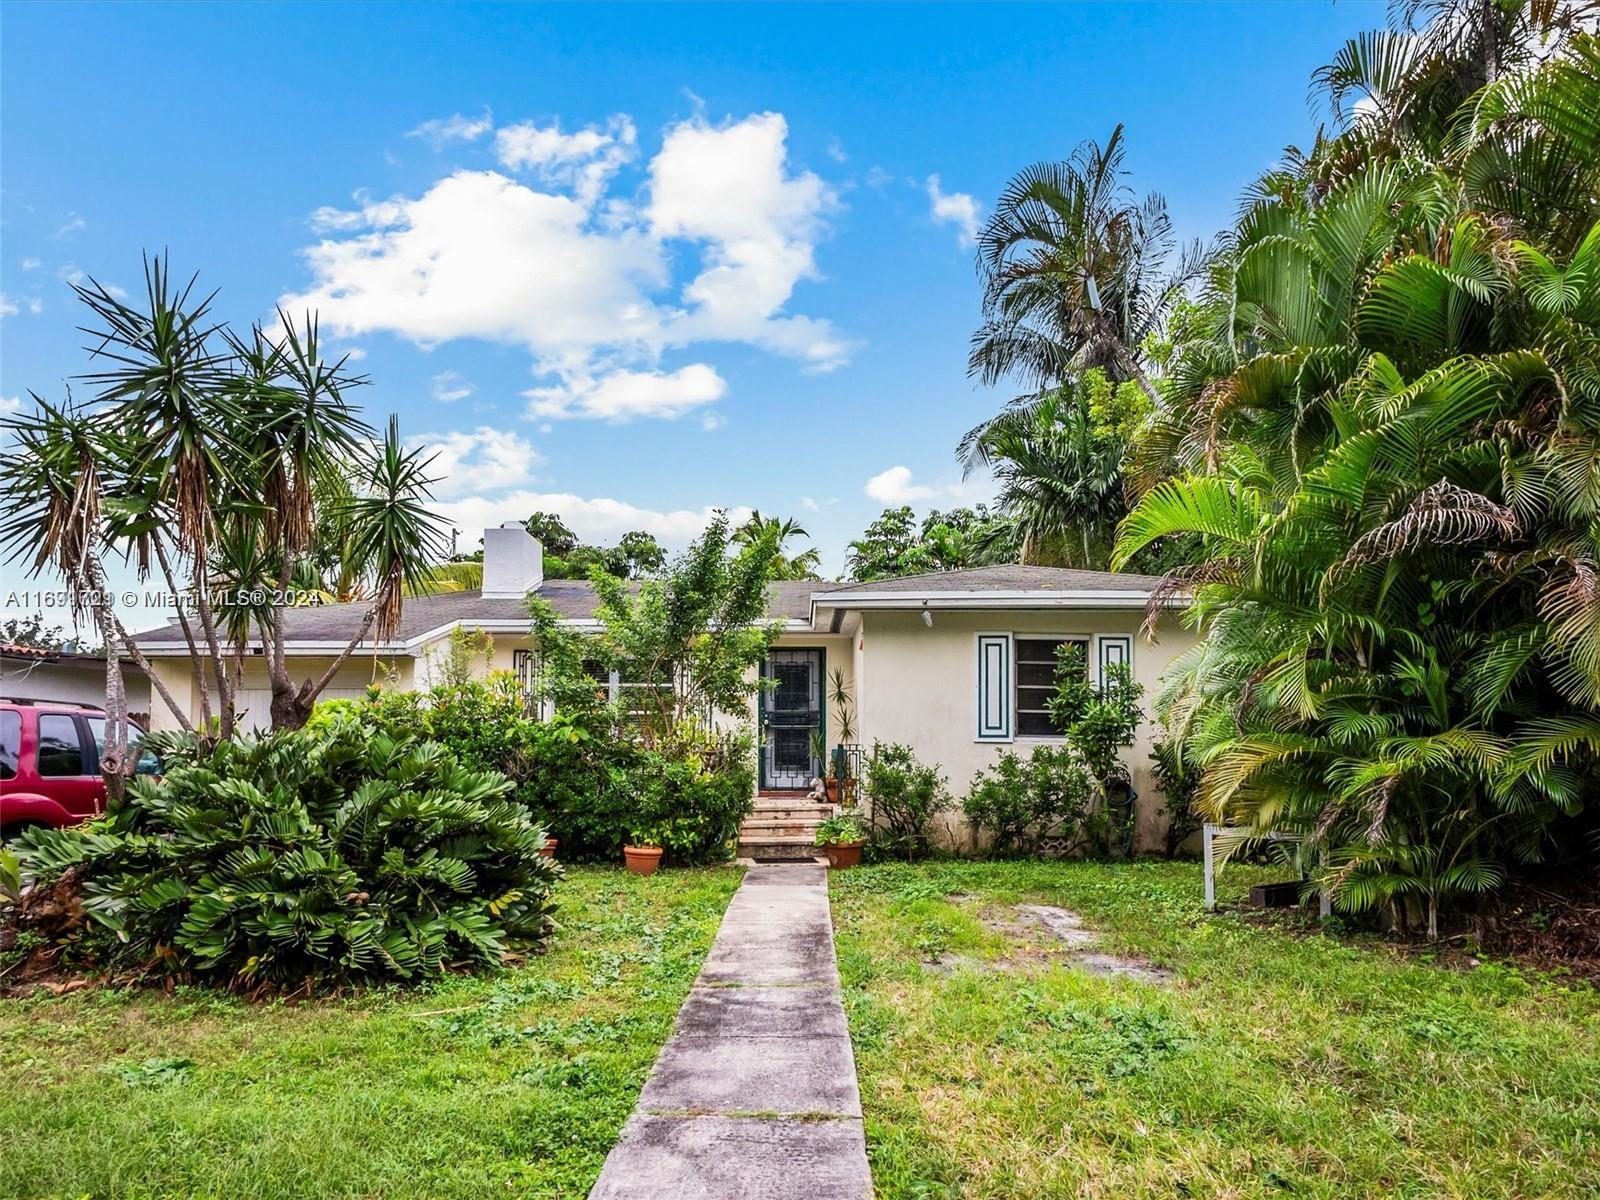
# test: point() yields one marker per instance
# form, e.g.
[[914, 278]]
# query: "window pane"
[[1035, 724], [1035, 684], [60, 752], [10, 743]]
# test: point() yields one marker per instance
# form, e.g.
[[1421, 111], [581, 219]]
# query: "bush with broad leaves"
[[330, 854]]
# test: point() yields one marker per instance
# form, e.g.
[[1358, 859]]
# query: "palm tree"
[[782, 530], [1075, 273], [1060, 480]]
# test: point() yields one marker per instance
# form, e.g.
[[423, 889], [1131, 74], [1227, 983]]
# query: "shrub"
[[338, 852], [691, 792], [905, 796], [1018, 802], [1180, 784]]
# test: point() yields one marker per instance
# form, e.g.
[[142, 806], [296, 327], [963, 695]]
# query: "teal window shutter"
[[994, 687], [1114, 650]]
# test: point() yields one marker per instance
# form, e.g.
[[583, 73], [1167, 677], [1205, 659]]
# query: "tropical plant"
[[1384, 419], [233, 466], [1076, 273], [904, 797], [1018, 802], [317, 856], [782, 531]]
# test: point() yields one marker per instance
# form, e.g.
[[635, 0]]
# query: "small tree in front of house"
[[687, 643]]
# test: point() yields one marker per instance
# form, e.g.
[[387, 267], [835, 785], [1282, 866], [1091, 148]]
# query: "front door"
[[791, 711]]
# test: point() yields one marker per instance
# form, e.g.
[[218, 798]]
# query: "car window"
[[60, 751], [10, 743], [147, 762]]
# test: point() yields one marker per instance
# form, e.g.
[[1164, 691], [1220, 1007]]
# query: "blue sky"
[[629, 262]]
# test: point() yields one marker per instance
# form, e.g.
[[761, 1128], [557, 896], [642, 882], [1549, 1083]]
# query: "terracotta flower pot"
[[833, 791], [549, 848], [842, 855], [642, 860]]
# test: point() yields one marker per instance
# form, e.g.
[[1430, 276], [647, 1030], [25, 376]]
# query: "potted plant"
[[842, 836], [549, 847], [819, 755], [842, 787], [643, 851]]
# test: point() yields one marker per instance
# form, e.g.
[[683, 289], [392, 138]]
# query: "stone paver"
[[754, 1096]]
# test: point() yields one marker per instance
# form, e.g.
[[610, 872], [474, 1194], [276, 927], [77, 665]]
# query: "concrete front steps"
[[783, 825]]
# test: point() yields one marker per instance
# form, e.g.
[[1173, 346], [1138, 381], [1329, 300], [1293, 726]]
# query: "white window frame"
[[1099, 650], [1086, 640]]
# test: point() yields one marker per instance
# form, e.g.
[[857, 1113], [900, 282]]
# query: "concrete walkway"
[[754, 1096]]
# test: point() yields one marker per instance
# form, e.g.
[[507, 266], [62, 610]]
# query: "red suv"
[[50, 763]]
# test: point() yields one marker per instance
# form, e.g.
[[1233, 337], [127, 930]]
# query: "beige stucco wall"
[[254, 695], [918, 686]]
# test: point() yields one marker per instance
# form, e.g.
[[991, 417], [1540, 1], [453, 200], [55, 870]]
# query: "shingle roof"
[[575, 600], [1010, 579]]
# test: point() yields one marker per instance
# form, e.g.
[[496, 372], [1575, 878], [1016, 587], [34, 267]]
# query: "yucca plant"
[[330, 854]]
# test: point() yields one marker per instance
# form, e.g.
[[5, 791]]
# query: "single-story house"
[[957, 665], [68, 677]]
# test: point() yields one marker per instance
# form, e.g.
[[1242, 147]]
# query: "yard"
[[1269, 1065], [514, 1085], [1274, 1061]]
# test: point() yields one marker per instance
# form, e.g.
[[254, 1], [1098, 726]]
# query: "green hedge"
[[337, 852]]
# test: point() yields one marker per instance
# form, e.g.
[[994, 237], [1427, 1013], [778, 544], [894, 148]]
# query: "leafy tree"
[[897, 544], [31, 631], [642, 554], [1383, 419], [552, 533], [686, 642]]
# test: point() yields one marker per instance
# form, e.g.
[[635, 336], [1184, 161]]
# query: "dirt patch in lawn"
[[1045, 935]]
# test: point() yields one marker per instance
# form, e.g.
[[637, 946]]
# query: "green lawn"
[[1273, 1065], [509, 1085]]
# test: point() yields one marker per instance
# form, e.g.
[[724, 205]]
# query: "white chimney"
[[513, 562]]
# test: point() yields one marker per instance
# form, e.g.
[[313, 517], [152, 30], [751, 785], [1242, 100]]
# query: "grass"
[[1272, 1065], [514, 1084]]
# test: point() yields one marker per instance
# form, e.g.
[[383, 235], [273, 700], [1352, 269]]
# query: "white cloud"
[[596, 287], [584, 161], [10, 305], [836, 151], [479, 255], [623, 395], [599, 520], [878, 178], [441, 131], [484, 460], [729, 187], [895, 486], [956, 208], [73, 223], [712, 421], [31, 264], [10, 406], [809, 504], [448, 387]]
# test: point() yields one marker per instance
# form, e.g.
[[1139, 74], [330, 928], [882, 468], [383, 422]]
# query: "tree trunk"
[[219, 667], [114, 753], [293, 709], [1433, 918], [196, 662]]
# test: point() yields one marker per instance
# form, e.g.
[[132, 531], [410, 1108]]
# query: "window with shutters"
[[1036, 682]]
